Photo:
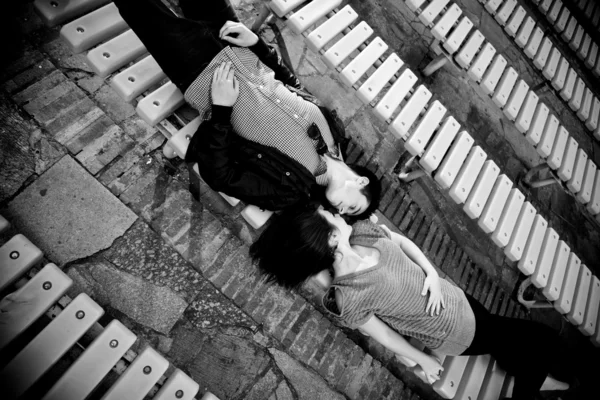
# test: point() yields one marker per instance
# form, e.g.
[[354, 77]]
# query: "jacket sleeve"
[[271, 59]]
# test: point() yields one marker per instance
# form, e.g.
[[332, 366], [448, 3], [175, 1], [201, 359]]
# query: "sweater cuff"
[[261, 49], [221, 114]]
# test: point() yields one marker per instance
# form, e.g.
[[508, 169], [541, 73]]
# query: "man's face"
[[348, 198]]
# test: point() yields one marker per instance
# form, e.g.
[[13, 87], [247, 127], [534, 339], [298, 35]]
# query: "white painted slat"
[[505, 86], [495, 204], [22, 307], [593, 206], [452, 162], [538, 123], [547, 141], [16, 257], [458, 35], [92, 366], [329, 29], [592, 121], [363, 61], [310, 14], [407, 116], [596, 70], [481, 190], [535, 40], [590, 319], [432, 10], [472, 378], [567, 34], [545, 6], [565, 171], [526, 113], [255, 217], [392, 99], [552, 64], [587, 185], [558, 81], [552, 14], [178, 386], [468, 174], [508, 219], [584, 48], [492, 6], [346, 45], [531, 253], [576, 180], [563, 18], [558, 148], [440, 144], [446, 22], [159, 104], [577, 38], [482, 61], [524, 32], [516, 245], [515, 100], [448, 383], [559, 264], [567, 92], [116, 53], [505, 11], [515, 22], [414, 5], [139, 378], [492, 76], [49, 346], [492, 382], [543, 52], [375, 83], [417, 142], [565, 300], [507, 387], [283, 7], [592, 56], [542, 270], [466, 54], [138, 78], [582, 289], [56, 12]]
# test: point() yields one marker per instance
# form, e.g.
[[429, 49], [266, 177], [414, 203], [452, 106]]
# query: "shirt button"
[[279, 101], [259, 156], [295, 115], [287, 174]]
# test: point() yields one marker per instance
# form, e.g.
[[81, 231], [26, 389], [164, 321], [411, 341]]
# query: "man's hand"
[[224, 88], [238, 34], [436, 300]]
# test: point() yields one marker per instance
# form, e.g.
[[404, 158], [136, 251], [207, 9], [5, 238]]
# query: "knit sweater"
[[391, 290]]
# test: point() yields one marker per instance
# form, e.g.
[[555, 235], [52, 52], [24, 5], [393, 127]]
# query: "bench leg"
[[530, 303], [168, 152], [527, 179], [263, 15], [409, 172], [435, 64]]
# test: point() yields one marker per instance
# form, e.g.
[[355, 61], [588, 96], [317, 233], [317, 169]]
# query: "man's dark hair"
[[372, 192]]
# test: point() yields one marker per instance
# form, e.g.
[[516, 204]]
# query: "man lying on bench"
[[263, 139]]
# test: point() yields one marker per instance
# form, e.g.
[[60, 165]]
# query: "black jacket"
[[255, 173]]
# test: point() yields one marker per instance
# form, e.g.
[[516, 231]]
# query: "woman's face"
[[341, 232]]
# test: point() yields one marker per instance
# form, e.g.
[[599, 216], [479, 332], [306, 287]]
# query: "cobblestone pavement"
[[84, 178]]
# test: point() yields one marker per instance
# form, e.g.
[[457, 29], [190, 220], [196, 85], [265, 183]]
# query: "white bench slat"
[[159, 104], [596, 17], [458, 35], [558, 148], [446, 22], [363, 61], [575, 101], [492, 382], [526, 113], [543, 52], [592, 121], [448, 383], [505, 11], [492, 76], [524, 32], [518, 239], [55, 12], [481, 189], [181, 140], [432, 10], [440, 144], [139, 377], [565, 300], [135, 80], [558, 81], [544, 147], [590, 319], [561, 22], [574, 184], [116, 53], [596, 70], [451, 164], [567, 34], [593, 206], [472, 378], [582, 289], [492, 6], [93, 28], [256, 217], [414, 5], [551, 65], [545, 6], [557, 273], [542, 270], [552, 15], [92, 366], [584, 48], [584, 111], [310, 14], [283, 7], [329, 29], [535, 40], [505, 86], [587, 185], [376, 82], [22, 307], [515, 100], [468, 174], [508, 219], [567, 92], [466, 54], [346, 45], [515, 22], [418, 140], [178, 386], [565, 171], [577, 38], [410, 112], [4, 224], [538, 123], [16, 257], [531, 253], [590, 60], [482, 61], [50, 345], [493, 207], [392, 99]]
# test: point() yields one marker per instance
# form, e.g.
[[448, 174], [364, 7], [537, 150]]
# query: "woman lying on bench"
[[384, 286]]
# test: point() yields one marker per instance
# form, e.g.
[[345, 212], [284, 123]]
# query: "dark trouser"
[[525, 349], [181, 46]]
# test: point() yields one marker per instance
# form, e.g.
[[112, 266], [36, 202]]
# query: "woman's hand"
[[436, 300], [431, 367], [238, 34], [224, 88]]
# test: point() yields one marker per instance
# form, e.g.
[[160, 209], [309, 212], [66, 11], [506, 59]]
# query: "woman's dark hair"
[[294, 246], [372, 192]]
